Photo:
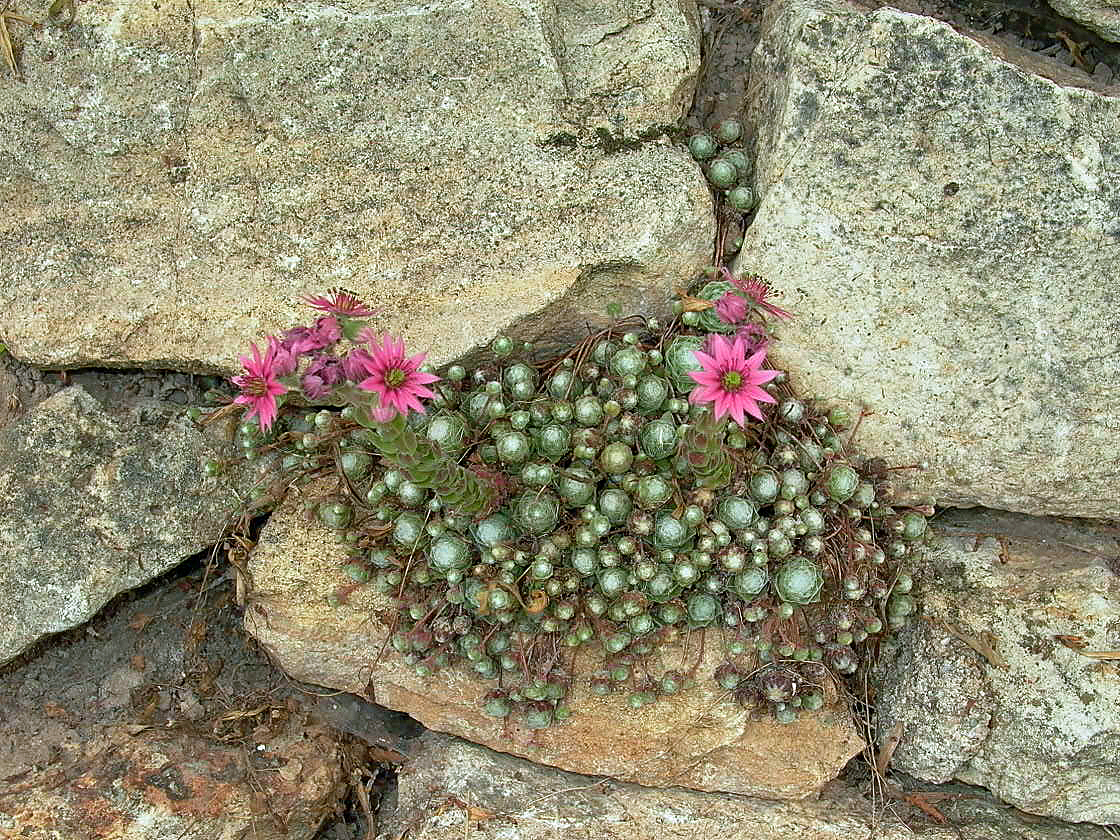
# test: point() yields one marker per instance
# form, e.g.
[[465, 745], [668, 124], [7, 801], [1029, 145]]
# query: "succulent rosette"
[[548, 523]]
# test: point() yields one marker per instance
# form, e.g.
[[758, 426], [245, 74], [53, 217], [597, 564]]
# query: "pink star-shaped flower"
[[258, 384], [340, 302], [397, 381], [730, 381], [757, 290]]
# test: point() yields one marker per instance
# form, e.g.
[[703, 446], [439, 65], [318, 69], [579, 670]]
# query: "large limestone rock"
[[943, 221], [452, 787], [180, 173], [983, 690], [698, 739], [93, 504]]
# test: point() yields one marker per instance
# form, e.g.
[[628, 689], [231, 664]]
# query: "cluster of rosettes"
[[726, 165], [624, 518]]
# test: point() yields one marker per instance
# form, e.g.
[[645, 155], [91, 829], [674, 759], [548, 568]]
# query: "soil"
[[124, 392], [173, 655], [168, 653], [1030, 25]]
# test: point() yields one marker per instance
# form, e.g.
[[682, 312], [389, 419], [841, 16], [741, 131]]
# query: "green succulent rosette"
[[709, 320]]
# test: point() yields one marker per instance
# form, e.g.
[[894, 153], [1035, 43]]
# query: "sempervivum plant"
[[548, 523], [730, 173]]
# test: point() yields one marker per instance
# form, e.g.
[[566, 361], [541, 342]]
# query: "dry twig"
[[982, 644], [1077, 643], [886, 752], [7, 47], [1075, 49]]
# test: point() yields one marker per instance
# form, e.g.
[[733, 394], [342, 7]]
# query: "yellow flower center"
[[395, 378], [731, 381]]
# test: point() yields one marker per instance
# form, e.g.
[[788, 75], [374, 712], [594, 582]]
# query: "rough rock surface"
[[452, 787], [182, 172], [697, 740], [21, 388], [1102, 17], [93, 504], [152, 786], [943, 222], [981, 689]]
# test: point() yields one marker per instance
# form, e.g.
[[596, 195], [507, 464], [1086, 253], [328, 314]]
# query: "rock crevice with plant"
[[551, 524]]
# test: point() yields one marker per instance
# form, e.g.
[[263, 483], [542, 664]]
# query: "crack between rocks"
[[550, 28], [614, 33]]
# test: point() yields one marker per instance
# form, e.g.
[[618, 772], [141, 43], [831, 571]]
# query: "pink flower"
[[327, 331], [340, 302], [397, 381], [299, 341], [259, 388], [286, 361], [383, 413], [758, 290], [731, 308], [730, 380], [354, 364], [323, 373], [754, 336]]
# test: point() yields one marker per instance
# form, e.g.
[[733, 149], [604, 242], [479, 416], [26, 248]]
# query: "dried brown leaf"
[[140, 621], [240, 714], [984, 644], [886, 752], [690, 303], [538, 600], [53, 710]]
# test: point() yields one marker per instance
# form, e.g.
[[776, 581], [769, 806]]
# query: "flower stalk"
[[702, 446], [427, 467]]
